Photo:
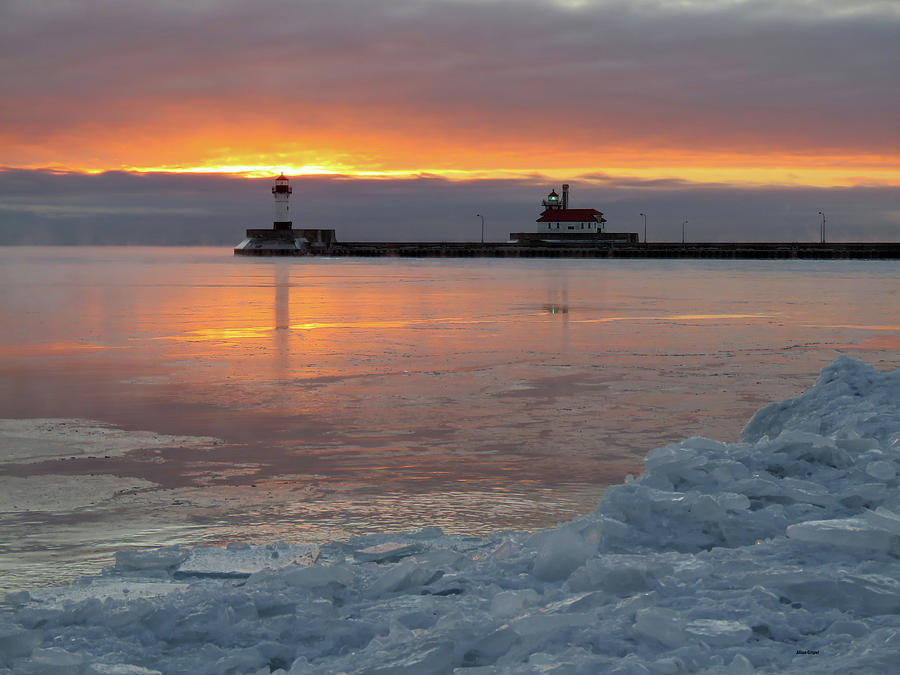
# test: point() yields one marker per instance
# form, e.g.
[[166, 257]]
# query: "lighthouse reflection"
[[281, 334], [558, 300], [556, 308], [282, 281]]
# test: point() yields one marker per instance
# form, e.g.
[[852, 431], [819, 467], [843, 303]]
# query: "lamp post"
[[683, 223], [644, 215], [478, 215], [823, 226]]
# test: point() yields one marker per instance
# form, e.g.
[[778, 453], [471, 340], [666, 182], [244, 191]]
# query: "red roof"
[[553, 194], [569, 216]]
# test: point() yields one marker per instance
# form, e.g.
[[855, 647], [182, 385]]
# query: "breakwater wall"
[[880, 250]]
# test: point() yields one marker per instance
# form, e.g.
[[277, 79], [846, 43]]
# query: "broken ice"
[[777, 553]]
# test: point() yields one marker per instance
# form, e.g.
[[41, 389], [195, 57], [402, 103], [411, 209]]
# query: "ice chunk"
[[53, 661], [160, 559], [434, 657], [560, 552], [403, 576], [125, 669], [619, 574], [16, 641], [491, 647], [718, 632], [741, 665], [316, 576], [663, 625], [863, 495], [243, 561], [104, 588], [390, 551], [510, 603], [883, 519], [541, 624], [707, 507], [866, 594], [852, 628], [856, 444], [852, 533], [882, 469]]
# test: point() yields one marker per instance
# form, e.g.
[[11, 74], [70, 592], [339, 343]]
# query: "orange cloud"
[[657, 91], [252, 141]]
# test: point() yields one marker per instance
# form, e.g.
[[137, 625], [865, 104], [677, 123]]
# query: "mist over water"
[[339, 397]]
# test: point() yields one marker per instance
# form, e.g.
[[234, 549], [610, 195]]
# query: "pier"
[[561, 232], [535, 249]]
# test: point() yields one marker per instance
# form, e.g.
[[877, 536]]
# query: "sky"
[[399, 117]]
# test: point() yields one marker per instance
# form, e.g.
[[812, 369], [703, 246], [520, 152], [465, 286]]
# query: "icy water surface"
[[312, 399]]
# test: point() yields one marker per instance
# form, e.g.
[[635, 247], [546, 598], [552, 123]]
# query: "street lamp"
[[478, 215], [682, 230], [823, 226], [645, 226]]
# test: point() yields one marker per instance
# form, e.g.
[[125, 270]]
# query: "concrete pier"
[[562, 232], [535, 249]]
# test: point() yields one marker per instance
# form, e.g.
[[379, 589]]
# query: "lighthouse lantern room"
[[282, 191]]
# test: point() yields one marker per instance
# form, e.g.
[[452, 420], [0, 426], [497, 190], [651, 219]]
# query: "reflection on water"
[[282, 344], [554, 308], [356, 396]]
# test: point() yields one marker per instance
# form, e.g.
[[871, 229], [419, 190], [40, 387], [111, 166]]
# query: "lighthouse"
[[559, 219], [283, 239], [282, 192], [559, 223]]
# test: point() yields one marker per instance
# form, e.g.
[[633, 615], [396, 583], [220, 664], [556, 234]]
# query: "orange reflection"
[[674, 317], [257, 332], [224, 334], [351, 324]]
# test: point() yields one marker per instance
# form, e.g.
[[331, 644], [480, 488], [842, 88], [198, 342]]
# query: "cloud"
[[42, 207], [447, 82]]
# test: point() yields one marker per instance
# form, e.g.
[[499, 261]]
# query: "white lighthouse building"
[[283, 239], [282, 192]]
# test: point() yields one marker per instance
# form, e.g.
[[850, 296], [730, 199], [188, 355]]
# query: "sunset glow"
[[777, 174], [736, 95], [676, 109], [827, 171]]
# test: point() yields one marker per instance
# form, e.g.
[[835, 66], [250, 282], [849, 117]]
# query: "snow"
[[779, 554]]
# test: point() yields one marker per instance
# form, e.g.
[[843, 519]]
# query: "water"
[[357, 396]]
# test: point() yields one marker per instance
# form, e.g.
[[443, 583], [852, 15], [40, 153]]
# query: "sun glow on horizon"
[[849, 174]]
